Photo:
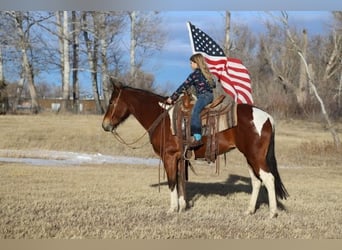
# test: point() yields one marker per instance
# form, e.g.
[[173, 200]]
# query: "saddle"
[[216, 116]]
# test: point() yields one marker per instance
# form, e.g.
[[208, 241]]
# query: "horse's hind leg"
[[268, 180], [256, 184]]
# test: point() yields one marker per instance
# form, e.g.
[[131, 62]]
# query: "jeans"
[[202, 101]]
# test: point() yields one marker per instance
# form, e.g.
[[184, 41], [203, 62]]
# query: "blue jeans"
[[202, 101]]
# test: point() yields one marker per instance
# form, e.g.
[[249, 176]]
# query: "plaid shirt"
[[196, 79]]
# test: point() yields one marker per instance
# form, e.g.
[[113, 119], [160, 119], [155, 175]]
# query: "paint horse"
[[253, 137]]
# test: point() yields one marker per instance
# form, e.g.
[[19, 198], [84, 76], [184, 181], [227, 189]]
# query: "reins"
[[129, 144], [149, 130]]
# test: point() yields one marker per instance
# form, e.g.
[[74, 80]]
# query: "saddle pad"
[[227, 115]]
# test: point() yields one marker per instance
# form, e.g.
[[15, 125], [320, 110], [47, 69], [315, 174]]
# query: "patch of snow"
[[62, 158]]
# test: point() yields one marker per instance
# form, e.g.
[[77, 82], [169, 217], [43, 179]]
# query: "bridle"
[[150, 130], [116, 101]]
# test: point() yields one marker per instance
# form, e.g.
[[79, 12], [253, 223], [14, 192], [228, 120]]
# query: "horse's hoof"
[[181, 209], [172, 210], [249, 212], [273, 215]]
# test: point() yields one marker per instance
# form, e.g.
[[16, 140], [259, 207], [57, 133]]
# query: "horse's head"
[[117, 110]]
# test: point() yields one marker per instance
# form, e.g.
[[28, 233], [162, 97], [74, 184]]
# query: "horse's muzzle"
[[107, 126]]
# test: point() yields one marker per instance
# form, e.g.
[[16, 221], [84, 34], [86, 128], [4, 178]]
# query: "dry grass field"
[[126, 201]]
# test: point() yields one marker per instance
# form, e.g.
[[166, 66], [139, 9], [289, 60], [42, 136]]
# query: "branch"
[[312, 85]]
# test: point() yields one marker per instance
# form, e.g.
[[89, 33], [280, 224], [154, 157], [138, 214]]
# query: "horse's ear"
[[116, 84]]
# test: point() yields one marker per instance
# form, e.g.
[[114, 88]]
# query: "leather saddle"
[[213, 116]]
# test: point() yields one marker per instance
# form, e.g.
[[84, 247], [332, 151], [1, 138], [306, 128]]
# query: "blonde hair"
[[202, 65]]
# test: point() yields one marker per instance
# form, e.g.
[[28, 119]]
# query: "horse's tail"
[[280, 189]]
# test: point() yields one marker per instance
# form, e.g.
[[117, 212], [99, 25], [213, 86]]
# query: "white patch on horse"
[[268, 181], [259, 119], [256, 184], [182, 203], [170, 109], [174, 200]]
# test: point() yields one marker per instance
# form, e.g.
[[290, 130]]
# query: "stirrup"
[[195, 144], [187, 153]]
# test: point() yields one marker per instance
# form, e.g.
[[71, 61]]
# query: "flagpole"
[[190, 36]]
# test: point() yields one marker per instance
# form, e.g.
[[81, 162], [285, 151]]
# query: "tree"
[[145, 38], [3, 92], [227, 42], [63, 37], [21, 21], [88, 21], [108, 26], [310, 79], [99, 30], [75, 24]]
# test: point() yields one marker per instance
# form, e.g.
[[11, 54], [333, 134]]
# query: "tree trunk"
[[227, 44], [30, 82], [133, 44], [27, 68], [3, 92], [2, 77], [19, 89], [302, 92], [104, 65], [92, 48], [66, 64], [75, 58], [100, 30]]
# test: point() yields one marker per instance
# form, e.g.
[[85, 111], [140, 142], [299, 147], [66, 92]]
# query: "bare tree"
[[310, 79], [133, 43], [146, 37], [227, 42], [24, 45], [303, 89], [278, 63], [63, 28], [3, 92], [92, 46], [75, 24]]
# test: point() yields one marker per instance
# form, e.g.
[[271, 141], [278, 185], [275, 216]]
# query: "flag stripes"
[[232, 74]]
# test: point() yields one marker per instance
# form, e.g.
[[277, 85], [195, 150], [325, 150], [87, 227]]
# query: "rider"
[[204, 82]]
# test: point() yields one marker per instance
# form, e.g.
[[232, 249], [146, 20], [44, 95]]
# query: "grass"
[[127, 202]]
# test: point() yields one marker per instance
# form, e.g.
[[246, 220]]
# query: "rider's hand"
[[169, 101]]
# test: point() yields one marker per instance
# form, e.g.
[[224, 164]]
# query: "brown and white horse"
[[253, 137]]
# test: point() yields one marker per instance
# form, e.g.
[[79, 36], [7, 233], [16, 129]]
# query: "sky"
[[174, 5], [171, 66]]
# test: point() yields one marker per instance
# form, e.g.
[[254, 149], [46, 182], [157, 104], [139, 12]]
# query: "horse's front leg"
[[170, 165], [173, 200], [181, 185]]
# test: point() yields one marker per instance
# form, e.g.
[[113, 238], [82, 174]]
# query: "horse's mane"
[[143, 91]]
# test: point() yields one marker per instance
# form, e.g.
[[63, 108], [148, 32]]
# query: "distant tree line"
[[289, 68], [69, 42], [279, 79]]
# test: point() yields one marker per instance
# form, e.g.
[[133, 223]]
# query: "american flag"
[[232, 74]]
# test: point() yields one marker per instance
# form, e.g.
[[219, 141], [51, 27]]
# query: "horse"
[[253, 136]]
